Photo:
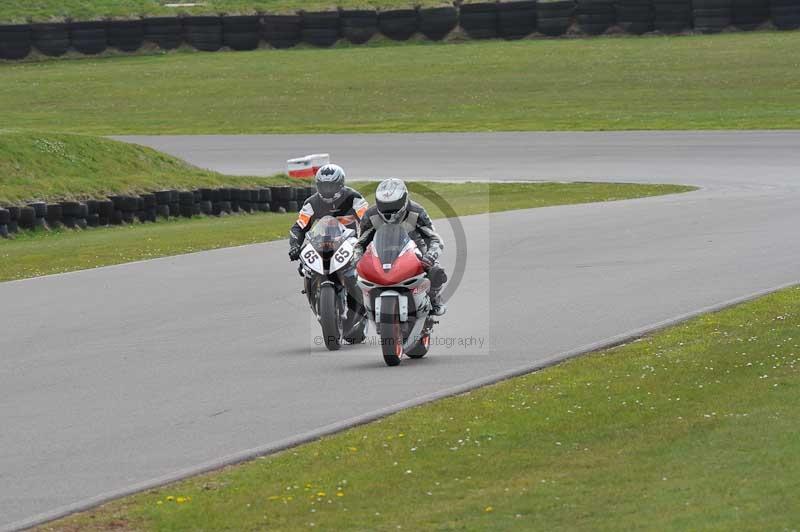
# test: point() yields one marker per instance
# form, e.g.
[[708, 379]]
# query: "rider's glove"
[[428, 261], [294, 253]]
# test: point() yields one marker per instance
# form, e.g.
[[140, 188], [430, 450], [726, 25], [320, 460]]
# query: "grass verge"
[[729, 81], [35, 254], [50, 166], [693, 428]]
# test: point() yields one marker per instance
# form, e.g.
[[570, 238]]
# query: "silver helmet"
[[330, 182], [391, 200]]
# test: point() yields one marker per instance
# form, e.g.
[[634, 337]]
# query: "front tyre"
[[389, 332], [330, 318]]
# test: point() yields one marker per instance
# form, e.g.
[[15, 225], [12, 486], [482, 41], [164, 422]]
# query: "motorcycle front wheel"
[[390, 333], [330, 318]]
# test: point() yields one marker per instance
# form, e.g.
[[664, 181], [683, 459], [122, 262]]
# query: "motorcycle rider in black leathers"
[[332, 199], [392, 206]]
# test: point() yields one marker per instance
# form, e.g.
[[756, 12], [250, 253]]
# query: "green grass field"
[[44, 10], [47, 166], [693, 428], [731, 81], [34, 254]]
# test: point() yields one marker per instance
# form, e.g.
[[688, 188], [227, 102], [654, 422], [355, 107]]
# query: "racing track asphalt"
[[115, 377]]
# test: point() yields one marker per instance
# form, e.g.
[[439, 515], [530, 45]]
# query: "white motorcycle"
[[325, 265]]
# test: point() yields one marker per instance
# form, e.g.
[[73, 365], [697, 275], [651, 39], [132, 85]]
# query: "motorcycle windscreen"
[[389, 242], [326, 234]]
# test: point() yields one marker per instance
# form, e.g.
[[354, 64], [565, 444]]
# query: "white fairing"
[[312, 259], [342, 256]]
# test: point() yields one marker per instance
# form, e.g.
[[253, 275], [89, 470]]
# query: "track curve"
[[114, 377]]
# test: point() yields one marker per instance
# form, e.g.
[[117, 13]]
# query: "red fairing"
[[405, 267]]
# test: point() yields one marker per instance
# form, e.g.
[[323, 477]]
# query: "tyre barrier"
[[203, 33], [15, 41], [320, 28], [241, 33], [282, 31], [479, 20], [150, 207], [711, 16], [635, 16], [88, 38], [125, 35], [516, 20], [672, 16], [750, 14], [358, 25], [398, 24], [436, 23], [595, 17], [50, 39], [785, 14], [484, 20], [555, 18], [164, 32]]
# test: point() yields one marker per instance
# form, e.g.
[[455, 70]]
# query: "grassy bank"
[[693, 428], [61, 166], [34, 254], [731, 81], [44, 10]]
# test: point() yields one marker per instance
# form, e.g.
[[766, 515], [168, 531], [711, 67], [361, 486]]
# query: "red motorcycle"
[[395, 287]]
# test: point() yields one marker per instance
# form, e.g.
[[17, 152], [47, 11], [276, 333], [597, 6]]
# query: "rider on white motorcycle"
[[392, 206], [333, 198]]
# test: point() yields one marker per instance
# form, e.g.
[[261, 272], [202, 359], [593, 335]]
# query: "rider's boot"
[[438, 308]]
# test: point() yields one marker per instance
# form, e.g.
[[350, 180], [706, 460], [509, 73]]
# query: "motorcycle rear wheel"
[[390, 333], [330, 318]]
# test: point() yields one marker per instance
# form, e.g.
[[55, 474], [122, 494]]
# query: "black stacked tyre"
[[479, 20], [241, 33], [13, 215], [5, 219], [398, 24], [358, 25], [125, 35], [436, 23], [282, 31], [15, 41], [785, 14], [555, 18], [88, 38], [186, 203], [712, 16], [672, 16], [281, 196], [320, 28], [50, 39], [596, 16], [516, 20], [203, 33], [750, 14], [635, 16], [54, 216], [164, 32], [74, 214]]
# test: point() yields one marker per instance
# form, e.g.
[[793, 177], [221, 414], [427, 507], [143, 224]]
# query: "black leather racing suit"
[[420, 228], [349, 208]]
